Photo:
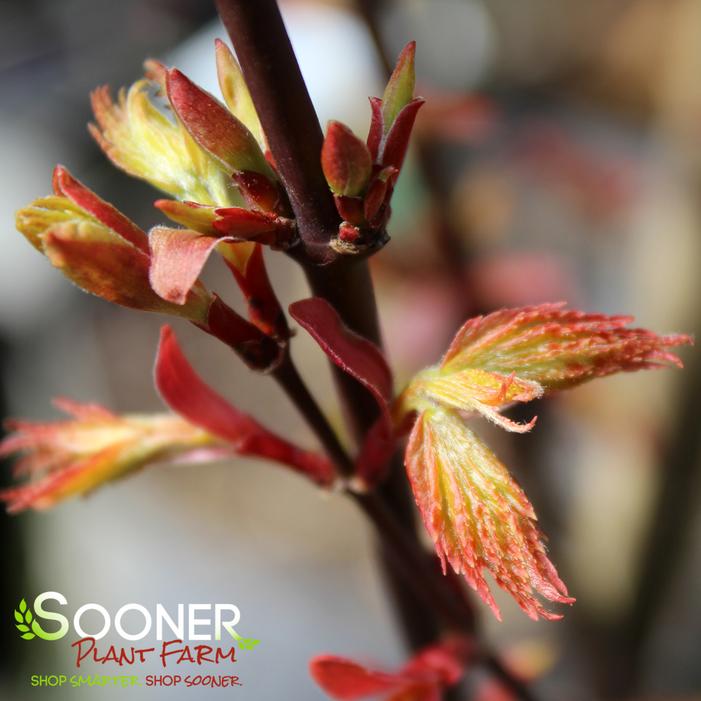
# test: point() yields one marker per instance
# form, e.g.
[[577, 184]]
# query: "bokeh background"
[[558, 157]]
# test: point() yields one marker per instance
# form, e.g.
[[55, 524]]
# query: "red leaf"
[[179, 255], [423, 678], [247, 225], [375, 453], [346, 680], [445, 661], [354, 354], [213, 127], [362, 360], [378, 195], [345, 160], [67, 186], [188, 395], [396, 143], [257, 190], [350, 209], [377, 129]]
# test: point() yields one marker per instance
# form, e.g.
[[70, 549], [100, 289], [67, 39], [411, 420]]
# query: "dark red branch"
[[287, 115], [295, 140]]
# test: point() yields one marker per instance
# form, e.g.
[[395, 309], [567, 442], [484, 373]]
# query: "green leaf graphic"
[[24, 617]]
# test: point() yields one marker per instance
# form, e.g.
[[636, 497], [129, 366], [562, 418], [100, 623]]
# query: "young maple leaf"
[[476, 514], [424, 678], [75, 456]]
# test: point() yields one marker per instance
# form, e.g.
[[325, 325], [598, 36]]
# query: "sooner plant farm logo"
[[198, 624], [26, 624]]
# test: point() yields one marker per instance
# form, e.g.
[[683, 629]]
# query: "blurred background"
[[558, 158]]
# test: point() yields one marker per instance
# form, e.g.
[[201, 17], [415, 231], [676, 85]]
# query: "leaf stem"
[[289, 379]]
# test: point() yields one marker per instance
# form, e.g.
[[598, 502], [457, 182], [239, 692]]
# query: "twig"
[[289, 379], [295, 139]]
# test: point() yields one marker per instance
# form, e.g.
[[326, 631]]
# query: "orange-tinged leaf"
[[138, 138], [191, 215], [67, 186], [476, 514], [99, 249], [107, 266], [471, 389], [75, 456], [558, 347]]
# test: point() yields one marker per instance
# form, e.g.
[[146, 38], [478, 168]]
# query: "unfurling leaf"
[[213, 127], [138, 138], [191, 215], [400, 87], [424, 678], [94, 446], [99, 249], [346, 161], [235, 91], [557, 347], [476, 514]]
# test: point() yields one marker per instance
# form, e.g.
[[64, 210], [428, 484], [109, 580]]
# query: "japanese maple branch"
[[295, 140]]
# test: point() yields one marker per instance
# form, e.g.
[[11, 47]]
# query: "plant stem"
[[287, 114], [295, 139], [289, 379]]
